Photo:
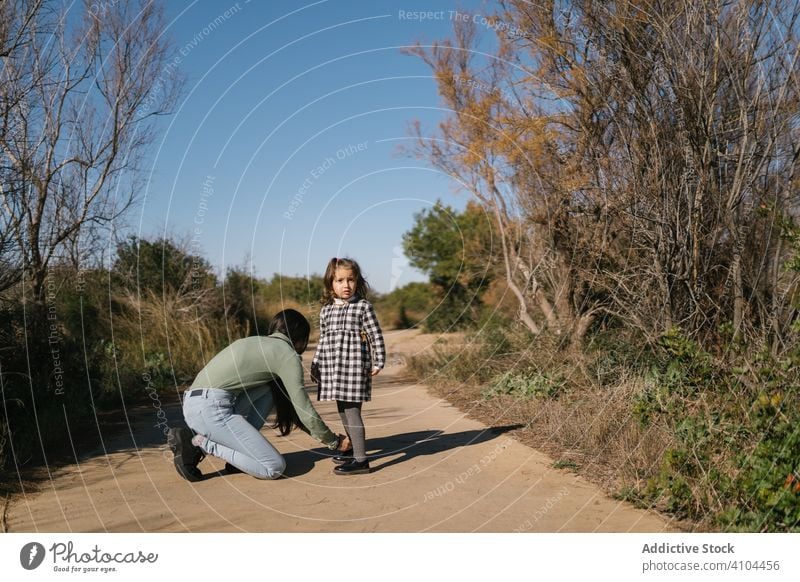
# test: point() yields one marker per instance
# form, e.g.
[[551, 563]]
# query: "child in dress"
[[350, 351]]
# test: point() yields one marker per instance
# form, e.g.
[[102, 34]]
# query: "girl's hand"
[[376, 371]]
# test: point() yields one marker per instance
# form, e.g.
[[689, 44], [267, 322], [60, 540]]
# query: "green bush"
[[160, 265], [526, 383], [42, 401], [767, 485], [407, 306], [736, 422]]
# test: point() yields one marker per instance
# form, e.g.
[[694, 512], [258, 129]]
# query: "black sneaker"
[[353, 467], [185, 455], [343, 457]]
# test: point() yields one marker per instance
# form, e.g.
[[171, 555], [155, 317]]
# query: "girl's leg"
[[230, 436], [354, 425]]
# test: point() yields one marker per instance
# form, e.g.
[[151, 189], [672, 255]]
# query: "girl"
[[344, 363]]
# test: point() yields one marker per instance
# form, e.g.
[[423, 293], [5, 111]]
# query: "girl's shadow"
[[404, 447]]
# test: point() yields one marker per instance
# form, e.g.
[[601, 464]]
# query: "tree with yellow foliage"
[[639, 158]]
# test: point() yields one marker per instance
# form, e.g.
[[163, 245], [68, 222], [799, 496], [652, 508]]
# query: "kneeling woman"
[[231, 397]]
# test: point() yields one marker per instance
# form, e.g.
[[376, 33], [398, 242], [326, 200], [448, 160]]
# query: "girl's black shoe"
[[343, 457], [353, 467]]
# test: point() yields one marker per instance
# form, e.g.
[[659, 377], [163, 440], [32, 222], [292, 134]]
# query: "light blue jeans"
[[231, 423]]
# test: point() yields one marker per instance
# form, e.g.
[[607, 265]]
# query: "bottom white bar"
[[378, 557]]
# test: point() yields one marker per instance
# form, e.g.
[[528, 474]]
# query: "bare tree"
[[80, 95], [505, 147], [640, 157], [15, 23]]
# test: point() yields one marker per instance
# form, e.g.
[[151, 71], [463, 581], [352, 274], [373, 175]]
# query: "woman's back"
[[246, 363]]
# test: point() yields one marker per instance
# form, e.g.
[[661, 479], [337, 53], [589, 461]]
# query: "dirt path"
[[437, 471]]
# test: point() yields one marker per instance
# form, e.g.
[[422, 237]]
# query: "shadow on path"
[[415, 444], [407, 445]]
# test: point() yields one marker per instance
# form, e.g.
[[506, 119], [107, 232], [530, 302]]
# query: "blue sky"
[[283, 147]]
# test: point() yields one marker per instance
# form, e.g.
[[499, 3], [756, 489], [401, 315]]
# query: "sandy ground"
[[433, 470]]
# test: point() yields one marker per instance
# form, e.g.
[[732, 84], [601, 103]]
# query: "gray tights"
[[350, 412]]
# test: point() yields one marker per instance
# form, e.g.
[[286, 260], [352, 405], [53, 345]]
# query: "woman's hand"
[[344, 443], [376, 371]]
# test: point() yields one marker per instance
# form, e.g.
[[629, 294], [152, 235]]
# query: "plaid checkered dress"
[[342, 357]]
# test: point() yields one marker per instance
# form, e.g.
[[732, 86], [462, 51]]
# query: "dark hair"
[[362, 287], [285, 415], [295, 326]]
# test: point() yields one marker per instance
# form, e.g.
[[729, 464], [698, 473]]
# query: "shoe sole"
[[188, 472], [355, 472]]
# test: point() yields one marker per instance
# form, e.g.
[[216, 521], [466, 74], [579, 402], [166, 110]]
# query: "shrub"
[[735, 423], [527, 383], [41, 402], [711, 439]]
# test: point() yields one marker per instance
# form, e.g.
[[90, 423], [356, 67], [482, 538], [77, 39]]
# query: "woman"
[[229, 399]]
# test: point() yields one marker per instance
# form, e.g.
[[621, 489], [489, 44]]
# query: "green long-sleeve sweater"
[[253, 361]]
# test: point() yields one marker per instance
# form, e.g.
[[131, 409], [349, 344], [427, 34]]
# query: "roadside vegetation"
[[636, 163]]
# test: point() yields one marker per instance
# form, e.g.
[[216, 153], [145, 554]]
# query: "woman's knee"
[[272, 470], [278, 468]]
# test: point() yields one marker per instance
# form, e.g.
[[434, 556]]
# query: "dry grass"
[[594, 432], [588, 429], [183, 329]]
